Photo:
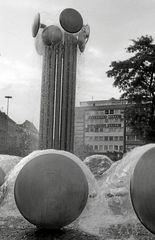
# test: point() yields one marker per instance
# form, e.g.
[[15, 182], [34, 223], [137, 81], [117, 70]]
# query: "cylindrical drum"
[[51, 190], [142, 189]]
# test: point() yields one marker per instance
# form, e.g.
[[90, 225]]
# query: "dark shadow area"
[[39, 234]]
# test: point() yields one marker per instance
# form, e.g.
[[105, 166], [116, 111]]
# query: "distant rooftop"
[[111, 101], [28, 125]]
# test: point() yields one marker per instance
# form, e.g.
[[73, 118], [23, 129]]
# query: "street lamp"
[[8, 98]]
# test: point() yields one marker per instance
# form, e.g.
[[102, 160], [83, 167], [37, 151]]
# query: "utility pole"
[[8, 98]]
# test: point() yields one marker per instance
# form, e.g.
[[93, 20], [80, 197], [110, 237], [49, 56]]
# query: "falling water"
[[111, 213], [108, 212]]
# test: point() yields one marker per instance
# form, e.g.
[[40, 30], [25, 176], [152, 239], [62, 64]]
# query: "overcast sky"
[[113, 24]]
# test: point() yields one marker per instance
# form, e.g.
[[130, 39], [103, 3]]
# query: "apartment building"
[[101, 126]]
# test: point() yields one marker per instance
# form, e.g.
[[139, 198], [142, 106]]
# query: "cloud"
[[31, 4], [96, 53], [23, 83], [16, 73], [91, 77]]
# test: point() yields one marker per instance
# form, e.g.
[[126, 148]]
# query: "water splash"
[[113, 205]]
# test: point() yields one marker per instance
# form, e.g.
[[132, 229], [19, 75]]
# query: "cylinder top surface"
[[51, 190], [142, 189], [71, 20]]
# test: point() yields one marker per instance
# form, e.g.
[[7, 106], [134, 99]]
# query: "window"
[[105, 148], [101, 138], [106, 111], [101, 148], [115, 147], [121, 138], [130, 137], [96, 138], [91, 147], [96, 147], [117, 111], [121, 148], [106, 138], [114, 125], [115, 138], [110, 147], [110, 138], [111, 111], [91, 129]]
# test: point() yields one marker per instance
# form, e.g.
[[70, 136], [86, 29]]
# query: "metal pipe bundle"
[[59, 79], [68, 93]]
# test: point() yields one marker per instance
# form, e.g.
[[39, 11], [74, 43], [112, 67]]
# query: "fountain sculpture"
[[59, 78], [51, 190]]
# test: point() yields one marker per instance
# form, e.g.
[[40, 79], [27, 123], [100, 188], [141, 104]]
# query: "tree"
[[135, 77]]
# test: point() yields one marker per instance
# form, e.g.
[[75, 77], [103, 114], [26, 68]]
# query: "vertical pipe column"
[[42, 139], [64, 102], [68, 92], [51, 97], [73, 93], [58, 96], [46, 98], [69, 99]]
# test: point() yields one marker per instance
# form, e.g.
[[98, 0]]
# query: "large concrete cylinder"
[[51, 190], [142, 189]]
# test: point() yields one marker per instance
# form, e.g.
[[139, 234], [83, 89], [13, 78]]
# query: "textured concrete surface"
[[19, 229]]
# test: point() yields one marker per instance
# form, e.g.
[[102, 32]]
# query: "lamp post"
[[7, 125], [8, 98]]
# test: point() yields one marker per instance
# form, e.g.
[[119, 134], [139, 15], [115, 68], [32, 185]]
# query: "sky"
[[113, 23]]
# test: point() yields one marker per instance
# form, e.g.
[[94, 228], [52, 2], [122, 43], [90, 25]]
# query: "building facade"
[[100, 127], [17, 139]]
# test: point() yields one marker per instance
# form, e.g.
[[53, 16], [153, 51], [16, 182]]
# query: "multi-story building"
[[100, 128]]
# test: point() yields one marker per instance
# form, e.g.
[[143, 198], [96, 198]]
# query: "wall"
[[17, 139]]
